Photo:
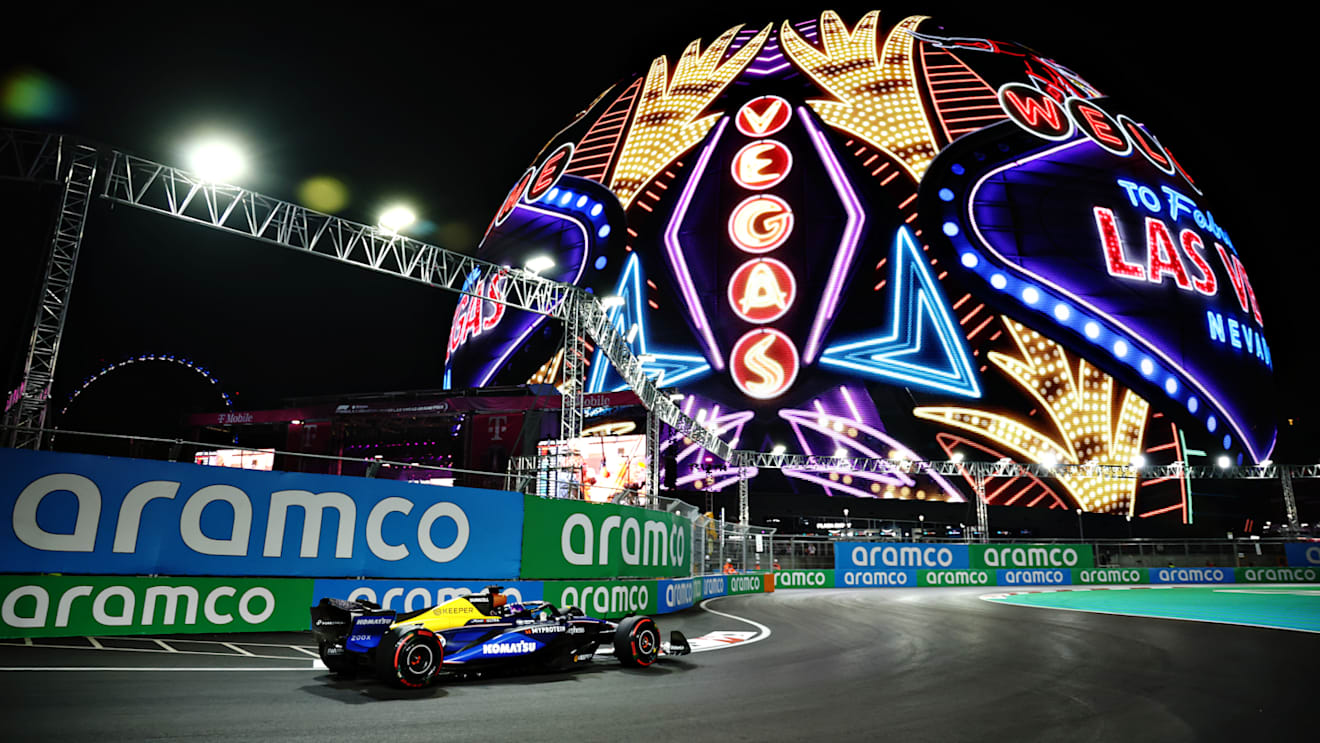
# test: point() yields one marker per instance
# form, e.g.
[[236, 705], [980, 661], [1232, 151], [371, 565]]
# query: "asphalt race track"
[[891, 664]]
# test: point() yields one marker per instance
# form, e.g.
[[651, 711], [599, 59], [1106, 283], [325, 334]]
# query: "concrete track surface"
[[893, 664]]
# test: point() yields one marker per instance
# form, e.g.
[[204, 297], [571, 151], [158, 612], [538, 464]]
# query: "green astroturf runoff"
[[1281, 607]]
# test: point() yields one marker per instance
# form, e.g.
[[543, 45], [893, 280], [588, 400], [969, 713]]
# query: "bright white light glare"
[[779, 449], [1266, 463], [956, 456], [840, 453], [539, 263], [1223, 461], [1049, 459], [610, 302], [397, 218], [217, 161], [1138, 461]]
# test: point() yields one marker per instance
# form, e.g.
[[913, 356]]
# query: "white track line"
[[96, 643], [154, 650], [236, 649], [26, 669], [168, 649], [764, 630]]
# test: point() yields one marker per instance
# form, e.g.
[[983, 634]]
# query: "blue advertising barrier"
[[673, 595], [410, 595], [713, 585], [1192, 575], [855, 578], [1303, 554], [1034, 577], [75, 513], [878, 564]]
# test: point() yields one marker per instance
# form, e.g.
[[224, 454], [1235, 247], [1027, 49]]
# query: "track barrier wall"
[[796, 579], [77, 513], [59, 605], [107, 523], [576, 539]]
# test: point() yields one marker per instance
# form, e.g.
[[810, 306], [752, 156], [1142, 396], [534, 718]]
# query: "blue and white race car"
[[476, 633]]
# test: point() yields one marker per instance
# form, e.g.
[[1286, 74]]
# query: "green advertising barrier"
[[804, 579], [955, 578], [1278, 575], [575, 539], [999, 556], [62, 605], [607, 599]]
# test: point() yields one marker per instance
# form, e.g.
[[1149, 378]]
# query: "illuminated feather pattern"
[[668, 121], [875, 97], [1079, 400]]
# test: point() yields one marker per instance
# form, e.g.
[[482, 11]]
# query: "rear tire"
[[409, 659], [637, 642]]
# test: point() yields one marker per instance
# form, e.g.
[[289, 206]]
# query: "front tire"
[[637, 642], [409, 659]]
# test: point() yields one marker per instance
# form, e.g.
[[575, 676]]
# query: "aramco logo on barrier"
[[94, 605], [804, 579], [652, 543], [745, 584], [86, 525], [1279, 575], [1032, 556], [609, 599], [903, 556]]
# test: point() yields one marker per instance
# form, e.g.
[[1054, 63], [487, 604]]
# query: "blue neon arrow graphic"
[[924, 346]]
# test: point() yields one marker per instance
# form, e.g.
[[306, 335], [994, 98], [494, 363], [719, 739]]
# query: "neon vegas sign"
[[1018, 224], [764, 362]]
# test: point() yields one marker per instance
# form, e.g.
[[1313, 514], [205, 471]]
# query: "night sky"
[[444, 108]]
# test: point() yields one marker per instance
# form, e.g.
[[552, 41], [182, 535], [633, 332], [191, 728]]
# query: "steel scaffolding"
[[28, 414]]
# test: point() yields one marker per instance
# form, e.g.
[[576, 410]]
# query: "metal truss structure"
[[144, 184], [30, 156], [40, 158]]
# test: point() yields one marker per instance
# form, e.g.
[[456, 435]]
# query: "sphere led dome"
[[841, 236]]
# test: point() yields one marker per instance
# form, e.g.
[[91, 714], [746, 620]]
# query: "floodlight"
[[1224, 461], [217, 160], [539, 263], [397, 218]]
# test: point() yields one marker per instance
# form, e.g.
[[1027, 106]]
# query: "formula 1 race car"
[[474, 634]]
